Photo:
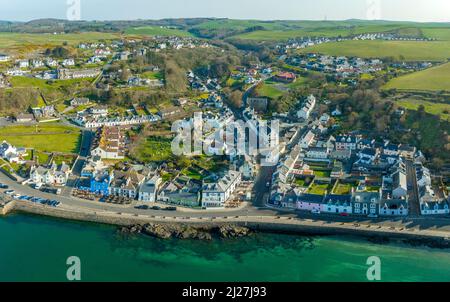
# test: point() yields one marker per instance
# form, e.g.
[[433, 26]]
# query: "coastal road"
[[442, 223]]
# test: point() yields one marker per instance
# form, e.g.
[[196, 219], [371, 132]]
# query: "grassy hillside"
[[436, 79], [326, 30], [410, 50], [437, 33], [441, 109], [157, 31], [18, 41]]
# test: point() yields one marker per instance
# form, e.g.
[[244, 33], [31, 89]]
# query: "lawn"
[[437, 51], [430, 107], [319, 189], [52, 137], [157, 31], [269, 90], [343, 189], [322, 174], [274, 90], [435, 79], [153, 75], [372, 189], [300, 182], [153, 149]]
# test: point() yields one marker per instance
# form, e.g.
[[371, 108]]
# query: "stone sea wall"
[[171, 225]]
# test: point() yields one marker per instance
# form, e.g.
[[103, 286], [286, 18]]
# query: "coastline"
[[285, 225]]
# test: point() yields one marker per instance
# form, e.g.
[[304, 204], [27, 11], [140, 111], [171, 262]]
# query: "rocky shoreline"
[[180, 231]]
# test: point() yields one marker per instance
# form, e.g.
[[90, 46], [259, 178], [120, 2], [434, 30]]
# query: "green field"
[[275, 90], [153, 75], [435, 79], [157, 31], [340, 29], [25, 82], [153, 149], [52, 137], [269, 90], [433, 108], [408, 50], [28, 42], [437, 33]]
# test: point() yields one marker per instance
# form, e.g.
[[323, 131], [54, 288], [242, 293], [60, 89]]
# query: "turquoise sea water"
[[36, 249]]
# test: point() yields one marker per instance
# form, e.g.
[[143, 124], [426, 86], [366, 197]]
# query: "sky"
[[401, 10]]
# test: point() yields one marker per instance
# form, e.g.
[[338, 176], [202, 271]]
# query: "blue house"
[[98, 184]]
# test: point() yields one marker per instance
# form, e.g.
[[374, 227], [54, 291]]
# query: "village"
[[321, 170]]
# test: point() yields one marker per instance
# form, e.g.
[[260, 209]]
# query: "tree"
[[234, 98]]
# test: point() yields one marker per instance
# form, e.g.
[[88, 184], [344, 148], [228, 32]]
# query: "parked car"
[[38, 186], [142, 207], [344, 214], [372, 216], [3, 186], [10, 192], [171, 209], [315, 211]]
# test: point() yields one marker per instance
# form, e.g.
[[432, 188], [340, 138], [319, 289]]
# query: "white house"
[[68, 62], [344, 142], [399, 185], [324, 119], [4, 58], [393, 207], [307, 140], [149, 189], [337, 204], [23, 63], [318, 153], [56, 175], [434, 207], [126, 184], [365, 203], [12, 154], [36, 63], [307, 108], [215, 195], [336, 112]]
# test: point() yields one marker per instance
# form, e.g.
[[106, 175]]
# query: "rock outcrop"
[[167, 231]]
